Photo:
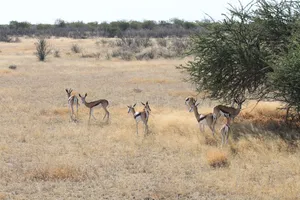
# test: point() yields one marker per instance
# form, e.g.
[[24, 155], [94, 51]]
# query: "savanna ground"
[[45, 156]]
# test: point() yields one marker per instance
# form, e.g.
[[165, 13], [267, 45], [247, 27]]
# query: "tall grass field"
[[45, 155]]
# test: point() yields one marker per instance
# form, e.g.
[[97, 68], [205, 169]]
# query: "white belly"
[[138, 118], [204, 122]]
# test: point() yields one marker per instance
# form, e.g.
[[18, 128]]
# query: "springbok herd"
[[209, 119]]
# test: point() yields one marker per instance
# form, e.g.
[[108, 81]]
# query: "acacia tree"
[[229, 59], [277, 22], [237, 56], [286, 80]]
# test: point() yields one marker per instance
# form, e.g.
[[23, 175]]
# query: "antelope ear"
[[147, 102], [197, 104], [79, 95], [187, 99], [85, 95], [134, 105], [128, 106], [143, 103], [67, 91]]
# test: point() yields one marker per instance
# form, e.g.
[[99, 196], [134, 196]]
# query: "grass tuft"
[[61, 111], [56, 173], [2, 196], [217, 158]]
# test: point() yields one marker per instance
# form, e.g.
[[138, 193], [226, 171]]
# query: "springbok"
[[140, 116], [91, 105], [201, 119], [225, 131], [72, 100], [146, 109], [228, 112]]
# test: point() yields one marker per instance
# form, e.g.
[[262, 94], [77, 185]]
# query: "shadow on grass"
[[267, 129]]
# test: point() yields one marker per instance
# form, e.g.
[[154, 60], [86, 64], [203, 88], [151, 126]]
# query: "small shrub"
[[75, 48], [104, 42], [115, 53], [12, 67], [97, 55], [147, 55], [217, 158], [5, 38], [17, 40], [97, 43], [57, 53], [107, 56], [180, 45], [126, 55], [111, 43], [165, 53], [125, 42], [140, 56], [162, 42], [143, 41], [42, 49], [134, 42], [87, 55], [91, 55]]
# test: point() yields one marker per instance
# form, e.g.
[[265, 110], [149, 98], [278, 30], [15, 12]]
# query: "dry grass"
[[44, 156], [150, 81], [217, 158], [56, 173], [263, 113], [182, 93], [5, 71], [61, 111], [2, 196]]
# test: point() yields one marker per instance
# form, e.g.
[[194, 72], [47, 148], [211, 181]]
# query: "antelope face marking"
[[83, 98], [190, 103], [130, 108], [69, 92], [146, 106]]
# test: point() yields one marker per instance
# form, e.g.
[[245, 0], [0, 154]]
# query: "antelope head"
[[240, 100], [130, 108], [191, 102], [69, 92], [83, 98], [146, 106]]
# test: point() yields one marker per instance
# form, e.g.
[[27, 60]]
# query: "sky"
[[37, 11]]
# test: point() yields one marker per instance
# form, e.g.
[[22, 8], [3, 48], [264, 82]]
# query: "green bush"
[[285, 81], [42, 49]]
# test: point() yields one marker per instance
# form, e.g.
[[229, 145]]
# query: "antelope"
[[140, 116], [72, 100], [225, 131], [146, 109], [201, 119], [91, 105], [228, 112]]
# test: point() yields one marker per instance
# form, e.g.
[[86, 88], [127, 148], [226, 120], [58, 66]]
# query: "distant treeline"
[[147, 28]]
